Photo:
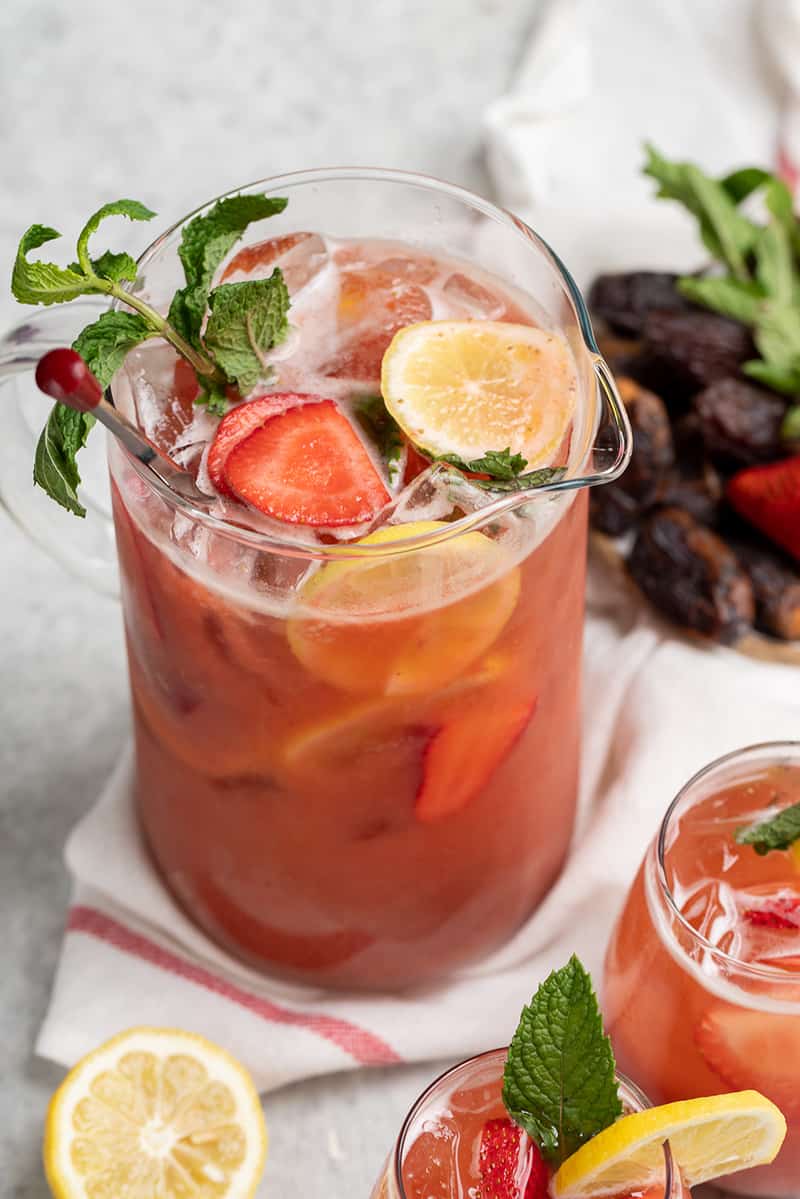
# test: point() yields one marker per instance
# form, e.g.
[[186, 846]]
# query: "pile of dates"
[[696, 422]]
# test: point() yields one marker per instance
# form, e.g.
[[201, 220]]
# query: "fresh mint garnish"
[[204, 243], [104, 344], [384, 432], [506, 471], [760, 286], [559, 1082], [245, 319], [54, 466], [778, 832]]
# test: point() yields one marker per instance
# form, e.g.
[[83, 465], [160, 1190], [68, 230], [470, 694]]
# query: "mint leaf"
[[204, 243], [559, 1082], [44, 282], [104, 344], [384, 432], [779, 378], [777, 337], [525, 482], [246, 320], [775, 269], [779, 832], [727, 234], [55, 468], [500, 464], [133, 209], [119, 267], [790, 426], [735, 298], [742, 183], [213, 396]]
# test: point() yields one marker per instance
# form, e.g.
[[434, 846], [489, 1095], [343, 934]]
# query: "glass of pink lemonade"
[[702, 986], [356, 708], [448, 1140]]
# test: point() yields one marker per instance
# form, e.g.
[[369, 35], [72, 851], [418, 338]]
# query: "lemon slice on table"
[[155, 1112], [467, 387], [406, 623], [708, 1138]]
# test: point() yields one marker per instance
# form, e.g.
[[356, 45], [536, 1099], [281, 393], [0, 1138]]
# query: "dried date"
[[739, 423], [698, 347], [691, 575], [624, 300], [776, 587]]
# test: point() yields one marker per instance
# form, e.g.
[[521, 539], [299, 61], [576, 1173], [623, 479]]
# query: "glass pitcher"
[[344, 791]]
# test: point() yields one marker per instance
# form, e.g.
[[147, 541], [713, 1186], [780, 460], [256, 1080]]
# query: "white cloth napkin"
[[564, 144]]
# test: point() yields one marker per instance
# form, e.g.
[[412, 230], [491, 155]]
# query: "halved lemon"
[[708, 1137], [406, 623], [155, 1112], [465, 387]]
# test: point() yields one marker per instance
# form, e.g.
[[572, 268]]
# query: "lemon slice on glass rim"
[[708, 1137], [155, 1111], [467, 387]]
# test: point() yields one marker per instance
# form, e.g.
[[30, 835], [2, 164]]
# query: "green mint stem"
[[204, 366]]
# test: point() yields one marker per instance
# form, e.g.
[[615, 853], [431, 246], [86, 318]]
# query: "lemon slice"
[[406, 623], [466, 387], [155, 1112], [708, 1138]]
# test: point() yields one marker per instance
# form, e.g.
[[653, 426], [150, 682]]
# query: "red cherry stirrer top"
[[64, 376]]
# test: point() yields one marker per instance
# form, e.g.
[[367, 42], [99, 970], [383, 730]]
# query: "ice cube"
[[471, 300], [300, 256]]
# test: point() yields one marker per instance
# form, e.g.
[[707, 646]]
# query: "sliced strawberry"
[[463, 755], [262, 254], [511, 1165], [747, 1049], [243, 420], [307, 466], [781, 912], [415, 464], [769, 497]]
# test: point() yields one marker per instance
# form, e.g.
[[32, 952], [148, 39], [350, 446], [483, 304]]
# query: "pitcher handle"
[[613, 443], [86, 546]]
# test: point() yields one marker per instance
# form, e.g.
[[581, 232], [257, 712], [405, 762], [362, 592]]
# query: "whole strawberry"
[[769, 498]]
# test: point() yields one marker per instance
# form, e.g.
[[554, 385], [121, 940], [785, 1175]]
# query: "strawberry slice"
[[463, 755], [781, 912], [747, 1049], [769, 498], [243, 420], [186, 386], [511, 1165], [307, 466]]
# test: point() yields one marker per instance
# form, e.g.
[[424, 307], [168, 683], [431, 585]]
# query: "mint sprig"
[[506, 471], [559, 1082], [760, 283], [246, 319], [778, 832]]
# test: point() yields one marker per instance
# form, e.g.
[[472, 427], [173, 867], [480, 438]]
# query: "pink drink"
[[702, 990], [441, 1148]]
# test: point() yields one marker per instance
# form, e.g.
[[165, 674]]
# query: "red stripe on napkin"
[[364, 1047]]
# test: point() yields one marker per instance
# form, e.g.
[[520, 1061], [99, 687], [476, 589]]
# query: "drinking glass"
[[704, 1010]]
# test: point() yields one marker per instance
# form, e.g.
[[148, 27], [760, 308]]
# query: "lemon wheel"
[[155, 1114]]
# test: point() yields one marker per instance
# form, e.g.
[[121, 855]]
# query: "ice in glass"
[[702, 989]]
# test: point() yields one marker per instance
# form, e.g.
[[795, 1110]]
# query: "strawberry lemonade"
[[703, 972], [354, 636]]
